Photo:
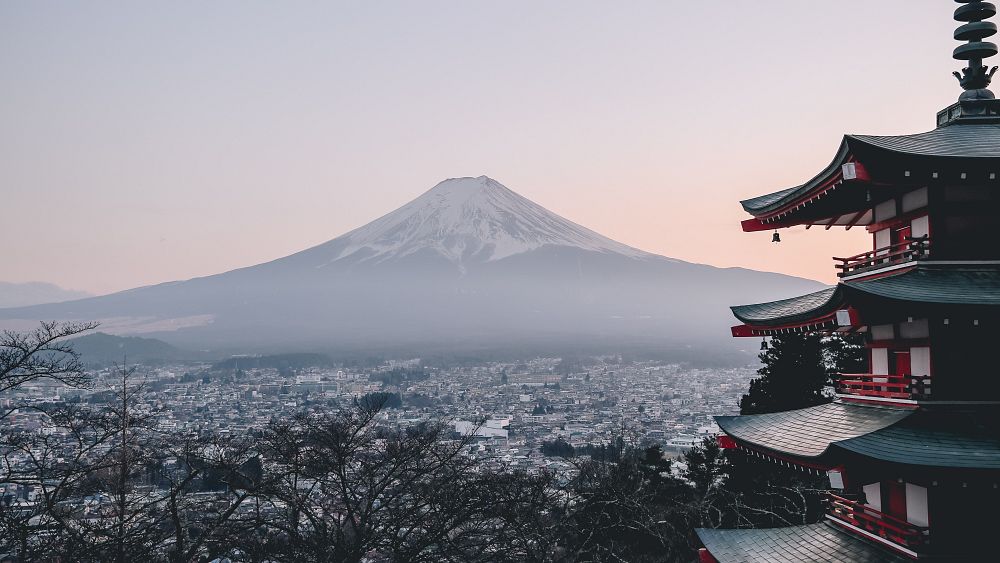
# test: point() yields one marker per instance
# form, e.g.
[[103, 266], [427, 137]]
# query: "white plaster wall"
[[882, 332], [885, 210], [916, 505], [882, 239], [914, 200], [874, 494], [920, 227], [918, 328], [880, 361], [920, 360]]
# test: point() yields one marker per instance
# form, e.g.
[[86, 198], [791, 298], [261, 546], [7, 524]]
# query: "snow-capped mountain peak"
[[471, 219]]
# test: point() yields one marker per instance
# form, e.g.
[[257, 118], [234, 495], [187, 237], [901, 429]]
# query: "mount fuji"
[[468, 220], [468, 265]]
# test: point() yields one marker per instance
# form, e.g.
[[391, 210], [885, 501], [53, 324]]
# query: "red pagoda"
[[911, 448]]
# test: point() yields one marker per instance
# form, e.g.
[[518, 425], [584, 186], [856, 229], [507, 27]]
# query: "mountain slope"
[[33, 293], [471, 219], [468, 264]]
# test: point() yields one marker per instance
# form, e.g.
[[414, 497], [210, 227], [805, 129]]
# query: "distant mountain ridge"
[[34, 293], [105, 349], [467, 265]]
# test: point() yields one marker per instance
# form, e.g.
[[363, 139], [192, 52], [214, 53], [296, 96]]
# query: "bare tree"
[[629, 509], [41, 354], [343, 487], [210, 496], [109, 486]]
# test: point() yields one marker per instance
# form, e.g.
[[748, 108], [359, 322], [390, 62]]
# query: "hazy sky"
[[144, 142]]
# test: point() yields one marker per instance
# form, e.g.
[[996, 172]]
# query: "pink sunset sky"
[[143, 142]]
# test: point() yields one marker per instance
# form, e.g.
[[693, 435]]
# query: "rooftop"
[[943, 437], [926, 283], [809, 432], [813, 543]]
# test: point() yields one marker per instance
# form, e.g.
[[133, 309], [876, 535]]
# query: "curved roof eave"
[[795, 309], [926, 284], [764, 204], [975, 141], [936, 285], [809, 432], [945, 439], [959, 141]]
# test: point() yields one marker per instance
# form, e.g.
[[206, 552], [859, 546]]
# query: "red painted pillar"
[[705, 557]]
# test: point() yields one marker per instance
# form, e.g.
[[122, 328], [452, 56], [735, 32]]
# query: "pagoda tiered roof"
[[936, 438], [808, 433], [812, 543], [936, 284], [925, 285], [818, 436], [813, 310], [913, 448], [868, 169], [967, 141], [803, 307]]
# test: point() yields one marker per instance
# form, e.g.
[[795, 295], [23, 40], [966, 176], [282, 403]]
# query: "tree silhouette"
[[793, 376]]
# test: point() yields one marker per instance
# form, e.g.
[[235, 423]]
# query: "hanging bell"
[[763, 342], [775, 237]]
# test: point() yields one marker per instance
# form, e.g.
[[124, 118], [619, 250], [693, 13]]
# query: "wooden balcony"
[[862, 517], [909, 250], [909, 387]]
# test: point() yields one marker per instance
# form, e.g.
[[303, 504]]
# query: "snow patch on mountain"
[[471, 219]]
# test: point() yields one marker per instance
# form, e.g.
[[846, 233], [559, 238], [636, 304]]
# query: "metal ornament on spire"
[[975, 78]]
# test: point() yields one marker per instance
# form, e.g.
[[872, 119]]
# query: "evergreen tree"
[[846, 353], [736, 490], [796, 369], [793, 376]]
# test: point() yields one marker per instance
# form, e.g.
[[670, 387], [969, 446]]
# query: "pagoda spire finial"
[[975, 78]]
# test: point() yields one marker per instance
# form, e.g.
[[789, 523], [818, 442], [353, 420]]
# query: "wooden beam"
[[854, 220]]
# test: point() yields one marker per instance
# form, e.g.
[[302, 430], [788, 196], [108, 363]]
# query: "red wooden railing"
[[864, 517], [909, 249], [885, 386]]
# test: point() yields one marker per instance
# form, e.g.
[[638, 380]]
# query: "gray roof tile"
[[960, 141], [953, 285], [809, 432], [939, 436], [976, 141], [926, 283], [942, 437], [801, 544], [788, 310]]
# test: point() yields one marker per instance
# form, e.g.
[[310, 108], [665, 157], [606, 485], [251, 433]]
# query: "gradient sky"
[[145, 142]]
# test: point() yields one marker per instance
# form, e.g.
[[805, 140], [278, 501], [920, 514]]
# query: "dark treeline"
[[277, 361], [337, 484], [598, 452]]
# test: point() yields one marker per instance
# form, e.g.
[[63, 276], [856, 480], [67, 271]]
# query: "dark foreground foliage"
[[340, 486]]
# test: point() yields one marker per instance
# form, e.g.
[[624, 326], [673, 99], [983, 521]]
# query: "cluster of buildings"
[[513, 408]]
